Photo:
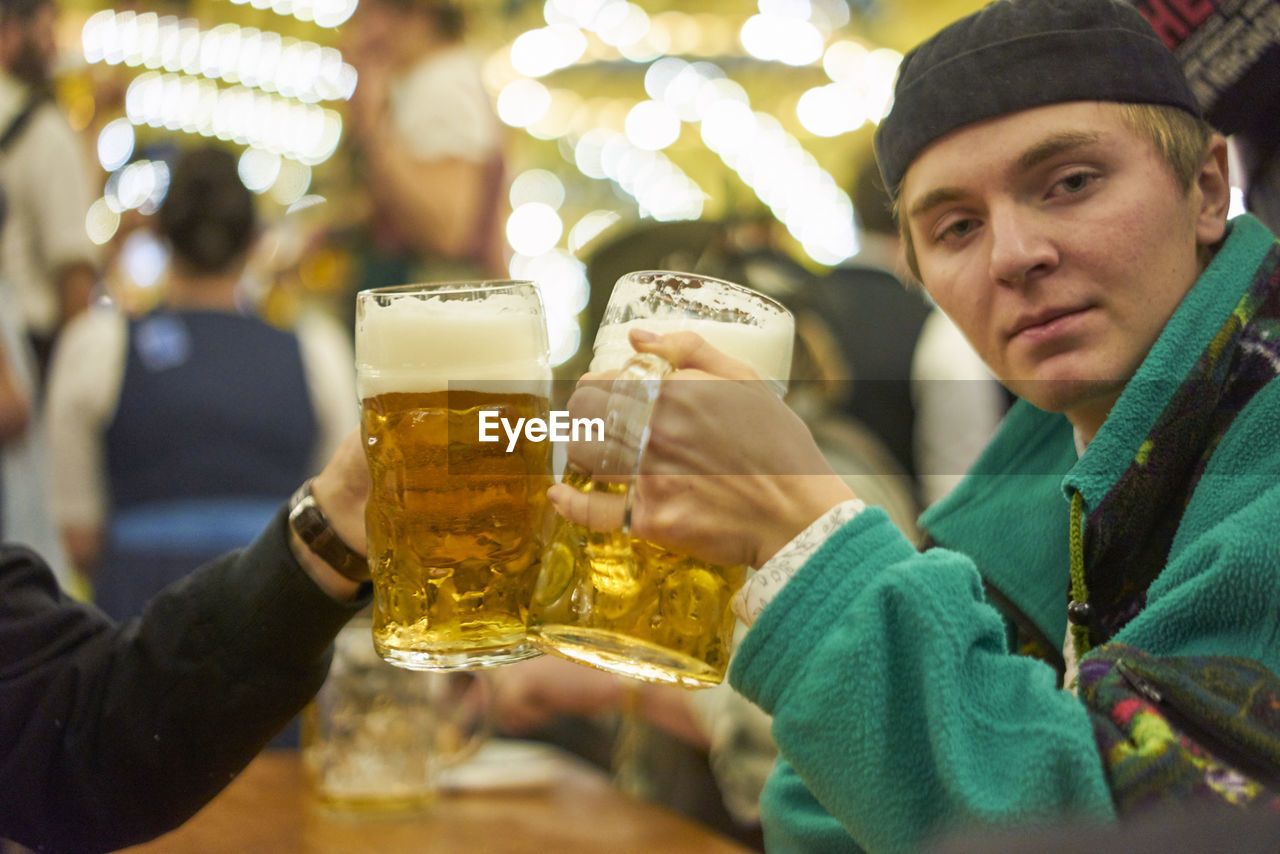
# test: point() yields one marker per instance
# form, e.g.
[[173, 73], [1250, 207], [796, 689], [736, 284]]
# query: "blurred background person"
[[428, 146], [957, 404], [874, 320], [177, 434], [26, 514], [45, 254]]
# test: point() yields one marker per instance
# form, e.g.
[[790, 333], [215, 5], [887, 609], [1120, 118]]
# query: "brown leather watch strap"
[[311, 525]]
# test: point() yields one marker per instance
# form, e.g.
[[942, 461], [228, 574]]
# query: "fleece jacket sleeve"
[[897, 704]]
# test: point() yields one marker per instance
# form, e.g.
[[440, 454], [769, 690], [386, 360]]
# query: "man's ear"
[[1213, 185]]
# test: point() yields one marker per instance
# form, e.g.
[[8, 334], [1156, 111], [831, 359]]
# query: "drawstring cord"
[[1078, 610]]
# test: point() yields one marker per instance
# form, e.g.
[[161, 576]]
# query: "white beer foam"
[[767, 349], [417, 345]]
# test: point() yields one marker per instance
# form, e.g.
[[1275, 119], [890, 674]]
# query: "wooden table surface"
[[269, 809]]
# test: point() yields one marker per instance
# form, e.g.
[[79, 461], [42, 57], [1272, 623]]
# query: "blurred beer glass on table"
[[376, 738], [455, 525], [623, 604]]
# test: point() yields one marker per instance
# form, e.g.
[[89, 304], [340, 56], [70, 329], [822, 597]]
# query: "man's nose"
[[1022, 247]]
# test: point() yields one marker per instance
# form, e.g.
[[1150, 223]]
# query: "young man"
[[113, 734], [1064, 205]]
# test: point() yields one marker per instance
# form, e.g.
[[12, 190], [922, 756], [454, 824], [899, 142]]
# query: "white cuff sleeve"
[[777, 570]]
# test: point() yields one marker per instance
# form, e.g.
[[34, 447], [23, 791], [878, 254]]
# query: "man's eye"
[[958, 229], [1076, 182]]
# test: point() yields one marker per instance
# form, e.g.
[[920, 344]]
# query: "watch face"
[[310, 522], [298, 499], [300, 504]]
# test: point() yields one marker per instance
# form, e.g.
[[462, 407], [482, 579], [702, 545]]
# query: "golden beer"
[[455, 525], [627, 605], [630, 606]]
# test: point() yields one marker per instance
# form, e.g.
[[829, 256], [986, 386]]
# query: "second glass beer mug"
[[376, 738], [623, 604], [455, 524]]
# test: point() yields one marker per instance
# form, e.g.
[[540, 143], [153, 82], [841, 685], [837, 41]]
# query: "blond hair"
[[1181, 140]]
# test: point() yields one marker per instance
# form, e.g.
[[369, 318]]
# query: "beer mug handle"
[[626, 428]]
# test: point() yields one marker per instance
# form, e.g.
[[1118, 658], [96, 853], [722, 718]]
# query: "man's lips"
[[1047, 323]]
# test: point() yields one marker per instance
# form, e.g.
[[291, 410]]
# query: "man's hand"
[[530, 695], [729, 475], [341, 491]]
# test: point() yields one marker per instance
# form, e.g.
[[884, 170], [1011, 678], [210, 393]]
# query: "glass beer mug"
[[627, 605], [455, 522], [376, 738]]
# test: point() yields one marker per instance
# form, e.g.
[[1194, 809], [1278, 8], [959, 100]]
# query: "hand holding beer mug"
[[454, 521], [624, 604]]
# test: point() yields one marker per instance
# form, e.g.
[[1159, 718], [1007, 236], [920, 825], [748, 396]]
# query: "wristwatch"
[[311, 525]]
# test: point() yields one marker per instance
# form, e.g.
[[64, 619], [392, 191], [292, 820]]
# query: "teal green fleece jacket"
[[900, 713]]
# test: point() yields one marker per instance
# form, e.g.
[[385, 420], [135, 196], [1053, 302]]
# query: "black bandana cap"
[[1015, 54]]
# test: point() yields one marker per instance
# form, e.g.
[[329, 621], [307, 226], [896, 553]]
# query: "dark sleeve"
[[111, 735]]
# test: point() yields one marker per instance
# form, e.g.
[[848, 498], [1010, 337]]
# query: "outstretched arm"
[[111, 735]]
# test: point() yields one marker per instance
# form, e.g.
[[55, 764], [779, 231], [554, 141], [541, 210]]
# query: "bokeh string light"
[[322, 13], [624, 143], [305, 132], [271, 103], [247, 56], [267, 92]]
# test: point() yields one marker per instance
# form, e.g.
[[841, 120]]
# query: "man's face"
[[1058, 241], [390, 35]]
